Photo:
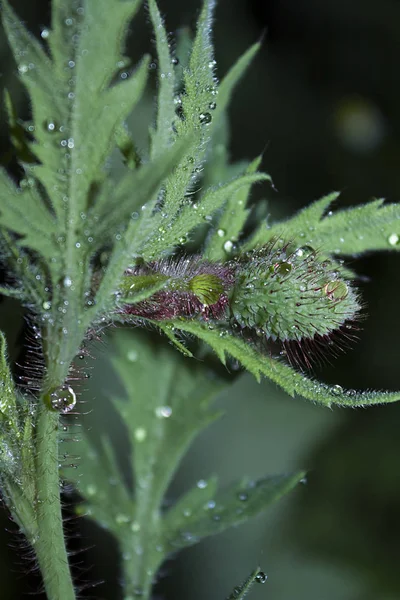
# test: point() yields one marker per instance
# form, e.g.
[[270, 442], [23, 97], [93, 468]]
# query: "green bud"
[[288, 294]]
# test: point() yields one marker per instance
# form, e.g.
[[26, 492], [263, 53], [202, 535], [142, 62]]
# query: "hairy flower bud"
[[290, 294]]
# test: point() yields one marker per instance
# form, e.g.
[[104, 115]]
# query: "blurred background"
[[322, 102]]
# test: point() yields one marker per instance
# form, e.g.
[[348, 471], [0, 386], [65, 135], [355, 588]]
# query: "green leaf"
[[372, 226], [290, 380], [192, 215], [98, 466], [195, 517], [231, 222], [163, 135], [199, 93], [232, 78], [24, 212]]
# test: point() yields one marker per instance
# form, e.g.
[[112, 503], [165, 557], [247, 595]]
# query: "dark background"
[[322, 101]]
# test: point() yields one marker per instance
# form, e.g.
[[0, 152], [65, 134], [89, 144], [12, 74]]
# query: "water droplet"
[[205, 118], [243, 496], [71, 64], [44, 34], [283, 268], [261, 577], [393, 239], [336, 290], [140, 434], [221, 233], [91, 490], [201, 484], [46, 305], [67, 282], [305, 252], [61, 399], [121, 519], [228, 246], [23, 69], [175, 60], [135, 526], [212, 63], [163, 412], [337, 390], [132, 355], [212, 105]]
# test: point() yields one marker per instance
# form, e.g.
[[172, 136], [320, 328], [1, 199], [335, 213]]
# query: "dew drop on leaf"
[[201, 484], [205, 118], [132, 355], [336, 390], [212, 105], [91, 490], [261, 577], [140, 434], [163, 412], [393, 239], [228, 246]]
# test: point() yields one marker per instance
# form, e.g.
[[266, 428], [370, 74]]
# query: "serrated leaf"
[[189, 217], [231, 506], [164, 418], [199, 94], [24, 213], [232, 78], [163, 135], [231, 222], [169, 332], [290, 380], [372, 226], [98, 467]]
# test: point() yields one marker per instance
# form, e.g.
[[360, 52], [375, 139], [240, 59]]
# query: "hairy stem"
[[49, 545]]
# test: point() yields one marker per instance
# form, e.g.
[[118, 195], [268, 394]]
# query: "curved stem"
[[49, 545]]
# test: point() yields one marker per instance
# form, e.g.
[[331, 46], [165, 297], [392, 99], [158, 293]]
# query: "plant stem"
[[141, 548], [49, 545]]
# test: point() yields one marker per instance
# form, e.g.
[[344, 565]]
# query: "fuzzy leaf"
[[232, 78], [231, 222], [199, 94], [290, 380], [372, 226], [194, 518], [24, 213], [191, 217], [163, 134]]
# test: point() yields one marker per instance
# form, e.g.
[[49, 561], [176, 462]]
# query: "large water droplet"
[[61, 399], [228, 246], [261, 577]]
